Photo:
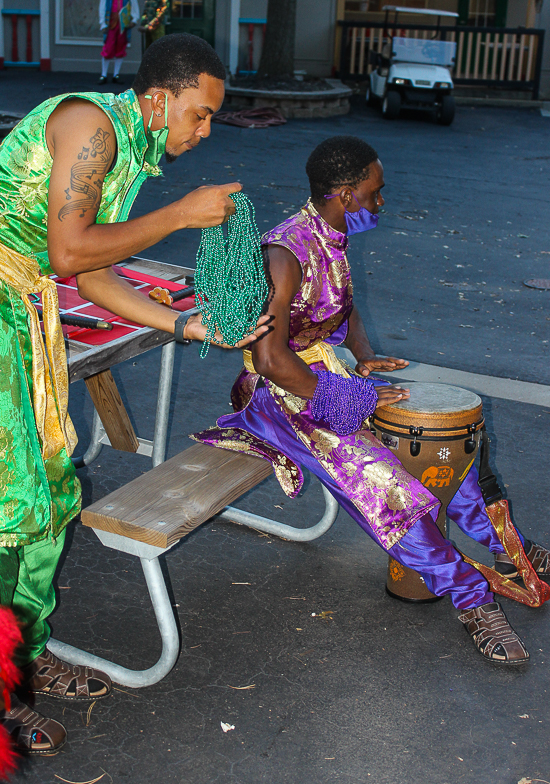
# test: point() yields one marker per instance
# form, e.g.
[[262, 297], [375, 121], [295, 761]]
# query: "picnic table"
[[152, 514], [91, 353]]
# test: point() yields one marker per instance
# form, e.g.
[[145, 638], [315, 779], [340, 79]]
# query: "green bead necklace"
[[230, 282]]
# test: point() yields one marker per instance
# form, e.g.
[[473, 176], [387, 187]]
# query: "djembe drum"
[[435, 434]]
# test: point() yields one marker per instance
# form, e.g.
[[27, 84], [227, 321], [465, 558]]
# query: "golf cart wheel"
[[391, 105], [446, 112]]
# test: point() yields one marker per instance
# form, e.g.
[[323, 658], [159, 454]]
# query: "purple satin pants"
[[423, 548]]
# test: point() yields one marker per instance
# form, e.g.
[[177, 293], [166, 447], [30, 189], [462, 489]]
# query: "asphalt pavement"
[[377, 691]]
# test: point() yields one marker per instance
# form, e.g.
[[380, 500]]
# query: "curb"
[[511, 103]]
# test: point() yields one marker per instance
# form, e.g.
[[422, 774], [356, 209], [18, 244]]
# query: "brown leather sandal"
[[492, 634], [536, 553], [32, 733], [49, 675]]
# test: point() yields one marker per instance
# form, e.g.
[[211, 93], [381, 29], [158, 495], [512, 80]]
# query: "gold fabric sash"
[[535, 592], [50, 379], [318, 352]]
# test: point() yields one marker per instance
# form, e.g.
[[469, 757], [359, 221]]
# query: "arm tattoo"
[[87, 176]]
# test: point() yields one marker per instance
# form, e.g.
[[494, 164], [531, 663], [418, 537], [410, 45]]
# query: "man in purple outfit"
[[297, 406]]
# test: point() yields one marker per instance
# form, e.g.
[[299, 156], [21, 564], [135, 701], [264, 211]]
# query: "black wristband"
[[179, 326]]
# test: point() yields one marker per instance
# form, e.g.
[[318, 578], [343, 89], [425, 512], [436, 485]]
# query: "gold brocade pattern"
[[535, 592], [370, 484], [26, 164], [318, 352], [234, 439], [325, 298], [49, 364], [388, 498]]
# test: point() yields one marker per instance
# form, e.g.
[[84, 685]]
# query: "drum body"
[[435, 434]]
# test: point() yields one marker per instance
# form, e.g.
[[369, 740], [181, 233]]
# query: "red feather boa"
[[7, 755], [10, 637]]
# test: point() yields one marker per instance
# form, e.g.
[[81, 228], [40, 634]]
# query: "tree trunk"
[[278, 50]]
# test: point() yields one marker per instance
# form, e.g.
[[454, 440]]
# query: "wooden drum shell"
[[447, 442]]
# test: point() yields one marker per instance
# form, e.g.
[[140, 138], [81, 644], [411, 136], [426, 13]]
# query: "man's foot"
[[102, 80], [492, 634], [49, 675], [31, 732], [117, 80], [538, 555]]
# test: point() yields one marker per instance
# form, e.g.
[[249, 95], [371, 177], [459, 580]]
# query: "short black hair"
[[175, 62], [336, 162]]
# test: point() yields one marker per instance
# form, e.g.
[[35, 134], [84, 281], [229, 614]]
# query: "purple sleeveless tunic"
[[277, 425]]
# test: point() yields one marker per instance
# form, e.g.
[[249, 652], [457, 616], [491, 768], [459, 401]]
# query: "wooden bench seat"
[[168, 502], [151, 514]]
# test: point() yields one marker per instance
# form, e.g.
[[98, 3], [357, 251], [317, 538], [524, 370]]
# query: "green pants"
[[26, 585]]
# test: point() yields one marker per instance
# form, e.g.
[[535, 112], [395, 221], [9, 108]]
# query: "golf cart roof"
[[425, 11]]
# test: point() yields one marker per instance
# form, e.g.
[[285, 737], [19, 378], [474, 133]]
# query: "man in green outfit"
[[69, 173]]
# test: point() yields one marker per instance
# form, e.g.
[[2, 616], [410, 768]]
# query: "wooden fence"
[[499, 57]]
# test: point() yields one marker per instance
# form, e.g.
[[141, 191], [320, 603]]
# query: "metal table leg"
[[156, 449], [269, 526], [164, 614], [154, 578], [163, 402], [95, 446]]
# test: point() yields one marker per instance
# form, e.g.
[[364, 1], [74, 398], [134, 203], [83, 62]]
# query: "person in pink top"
[[116, 17]]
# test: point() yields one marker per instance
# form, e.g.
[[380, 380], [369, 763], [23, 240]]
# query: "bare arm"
[[82, 142], [271, 355], [358, 343], [110, 291], [81, 139]]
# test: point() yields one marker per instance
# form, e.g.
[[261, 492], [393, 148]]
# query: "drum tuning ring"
[[415, 446], [470, 444]]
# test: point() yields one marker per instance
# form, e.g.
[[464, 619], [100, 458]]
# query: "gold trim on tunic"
[[318, 352], [50, 380]]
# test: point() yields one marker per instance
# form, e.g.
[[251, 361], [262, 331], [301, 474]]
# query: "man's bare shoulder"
[[77, 120], [281, 256], [284, 270]]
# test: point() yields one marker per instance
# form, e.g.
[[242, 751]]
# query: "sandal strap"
[[30, 730], [492, 634], [538, 555], [540, 559], [49, 675]]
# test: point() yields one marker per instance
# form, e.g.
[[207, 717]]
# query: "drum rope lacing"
[[230, 281]]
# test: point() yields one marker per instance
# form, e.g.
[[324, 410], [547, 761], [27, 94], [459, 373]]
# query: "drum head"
[[437, 399], [435, 407]]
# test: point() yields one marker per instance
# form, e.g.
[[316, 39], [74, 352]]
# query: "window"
[[482, 13], [77, 22], [187, 9]]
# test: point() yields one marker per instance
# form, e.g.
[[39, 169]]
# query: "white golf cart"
[[413, 72]]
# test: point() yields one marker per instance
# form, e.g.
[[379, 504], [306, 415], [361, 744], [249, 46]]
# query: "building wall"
[[517, 13], [315, 20], [76, 41], [78, 49], [542, 20], [221, 42]]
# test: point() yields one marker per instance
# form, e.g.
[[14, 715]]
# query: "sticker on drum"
[[391, 441], [435, 476]]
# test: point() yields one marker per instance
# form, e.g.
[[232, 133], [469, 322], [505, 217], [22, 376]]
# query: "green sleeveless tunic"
[[39, 497]]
